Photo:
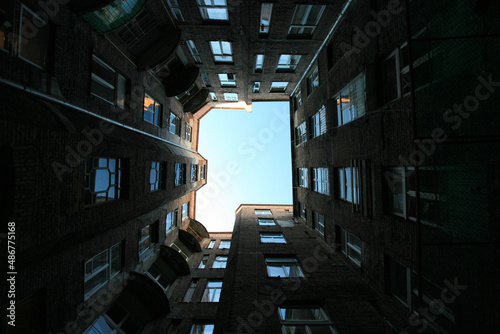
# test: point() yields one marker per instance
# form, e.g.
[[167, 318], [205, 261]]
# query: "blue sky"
[[249, 161]]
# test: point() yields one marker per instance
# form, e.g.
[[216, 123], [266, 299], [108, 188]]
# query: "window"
[[303, 177], [194, 51], [179, 250], [305, 20], [203, 262], [320, 181], [283, 267], [107, 84], [194, 173], [116, 320], [35, 49], [116, 14], [319, 223], [152, 110], [188, 297], [144, 240], [176, 10], [213, 96], [202, 172], [180, 174], [186, 96], [212, 292], [213, 10], [256, 87], [302, 210], [222, 51], [265, 18], [175, 124], [313, 80], [298, 99], [349, 184], [131, 29], [101, 268], [318, 123], [205, 79], [227, 79], [159, 277], [188, 132], [259, 63], [278, 87], [202, 329], [288, 63], [272, 238], [396, 74], [351, 246], [400, 282], [220, 262], [156, 178], [185, 211], [171, 220], [307, 320], [351, 101], [102, 180], [266, 222], [225, 244], [231, 97], [211, 244], [263, 212]]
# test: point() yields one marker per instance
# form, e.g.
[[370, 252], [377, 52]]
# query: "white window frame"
[[185, 211], [204, 262], [302, 24], [318, 123], [349, 247], [115, 174], [222, 51], [202, 329], [188, 133], [158, 277], [278, 86], [256, 87], [194, 51], [157, 110], [290, 325], [220, 262], [176, 10], [355, 105], [213, 96], [180, 174], [213, 6], [301, 133], [259, 63], [303, 177], [321, 183], [313, 80], [231, 97], [174, 124], [266, 222], [107, 267], [118, 86], [272, 238], [227, 79], [212, 292], [171, 221], [286, 264], [348, 185], [179, 250], [225, 244], [211, 245], [263, 212], [194, 173], [265, 22], [288, 63], [145, 244]]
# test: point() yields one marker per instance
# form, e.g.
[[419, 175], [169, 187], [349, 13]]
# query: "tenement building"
[[394, 223]]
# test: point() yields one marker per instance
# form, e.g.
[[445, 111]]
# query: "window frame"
[[266, 212], [303, 177], [176, 10], [204, 10], [302, 210], [105, 267], [231, 97], [171, 221], [194, 173], [272, 238], [43, 28], [117, 185], [348, 247], [224, 244], [318, 123], [180, 174], [302, 26], [287, 65], [212, 293], [188, 132], [313, 80], [261, 222], [118, 81], [349, 188], [278, 86], [201, 329], [194, 51], [211, 244], [319, 223], [301, 133], [185, 211], [188, 295], [323, 320], [224, 57], [265, 25], [284, 263], [227, 79], [259, 63], [157, 110], [360, 102], [221, 263], [145, 243], [320, 178], [174, 124]]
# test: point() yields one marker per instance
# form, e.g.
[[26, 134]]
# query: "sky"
[[249, 161]]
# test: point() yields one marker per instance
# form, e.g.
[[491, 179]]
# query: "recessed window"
[[180, 251], [152, 110], [396, 74], [351, 246], [219, 262], [102, 268], [212, 292], [305, 20], [263, 212], [302, 210], [171, 221], [298, 99], [176, 10], [188, 296], [287, 63], [266, 222], [180, 174], [202, 329], [202, 172], [301, 133], [194, 173], [214, 10], [272, 238], [159, 276], [231, 97], [185, 211], [305, 319], [188, 133], [318, 123], [351, 101], [320, 181], [204, 77], [175, 124], [34, 49], [256, 87], [259, 63], [190, 92], [225, 244], [283, 267], [194, 51], [156, 176], [203, 262], [222, 51], [107, 84], [227, 79], [213, 96], [265, 18], [144, 240], [319, 223], [348, 184], [313, 80], [115, 14], [303, 177], [211, 244], [102, 180], [278, 87]]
